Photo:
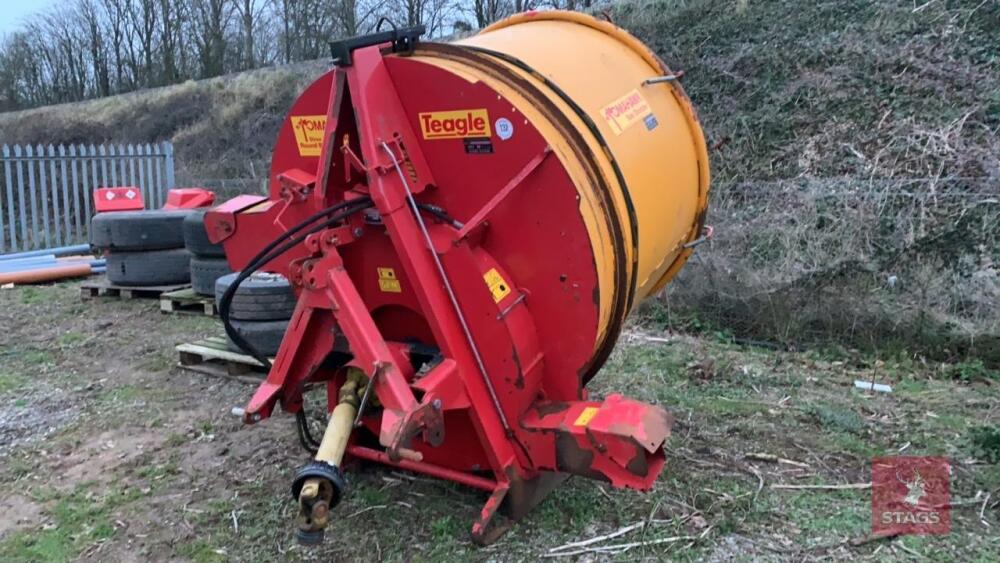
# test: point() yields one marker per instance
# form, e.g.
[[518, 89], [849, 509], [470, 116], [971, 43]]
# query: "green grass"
[[71, 338], [122, 394], [10, 382], [37, 358], [727, 400], [79, 518], [159, 361]]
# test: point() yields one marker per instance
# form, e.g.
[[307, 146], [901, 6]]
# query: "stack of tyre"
[[259, 311], [143, 248], [208, 260]]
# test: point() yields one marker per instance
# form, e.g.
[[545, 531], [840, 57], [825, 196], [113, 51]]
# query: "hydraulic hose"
[[267, 254], [274, 250], [281, 244]]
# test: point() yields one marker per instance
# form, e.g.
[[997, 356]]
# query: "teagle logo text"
[[455, 124]]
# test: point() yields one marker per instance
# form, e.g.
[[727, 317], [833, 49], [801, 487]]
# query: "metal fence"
[[48, 191]]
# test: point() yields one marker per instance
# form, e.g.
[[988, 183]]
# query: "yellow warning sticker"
[[387, 281], [309, 131], [585, 416], [626, 111], [498, 286]]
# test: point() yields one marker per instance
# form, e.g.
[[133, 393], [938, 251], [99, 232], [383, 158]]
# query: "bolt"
[[358, 231], [256, 417], [320, 510], [437, 404]]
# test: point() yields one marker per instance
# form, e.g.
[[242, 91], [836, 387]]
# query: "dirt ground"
[[109, 452]]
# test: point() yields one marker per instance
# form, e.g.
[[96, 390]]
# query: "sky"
[[13, 11]]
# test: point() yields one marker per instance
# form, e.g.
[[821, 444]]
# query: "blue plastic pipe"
[[58, 251], [42, 258], [26, 264]]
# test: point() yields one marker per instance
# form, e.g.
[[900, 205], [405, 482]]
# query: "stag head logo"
[[910, 495], [914, 488]]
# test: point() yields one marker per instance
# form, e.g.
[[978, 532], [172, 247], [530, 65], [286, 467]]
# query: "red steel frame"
[[618, 440]]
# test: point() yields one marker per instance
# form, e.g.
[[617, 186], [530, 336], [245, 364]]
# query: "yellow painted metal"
[[651, 161], [338, 429]]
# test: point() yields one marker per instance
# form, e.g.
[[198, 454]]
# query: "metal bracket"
[[502, 194], [706, 236], [666, 78], [403, 41]]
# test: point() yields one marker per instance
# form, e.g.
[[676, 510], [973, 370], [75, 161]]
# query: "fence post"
[[93, 181], [33, 196], [132, 180], [102, 153], [73, 167], [65, 192], [53, 194], [10, 198], [168, 151], [20, 197], [147, 164], [113, 162]]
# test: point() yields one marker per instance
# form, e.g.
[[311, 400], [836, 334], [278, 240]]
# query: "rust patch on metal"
[[638, 465], [525, 494], [571, 458], [519, 382], [545, 409]]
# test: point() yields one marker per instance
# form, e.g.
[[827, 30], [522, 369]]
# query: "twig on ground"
[[911, 551], [617, 533], [605, 493], [363, 510], [619, 548], [650, 338], [760, 481], [859, 541], [774, 459], [824, 487], [982, 510], [236, 523]]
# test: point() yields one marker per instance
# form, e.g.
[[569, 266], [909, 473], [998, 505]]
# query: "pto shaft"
[[320, 485]]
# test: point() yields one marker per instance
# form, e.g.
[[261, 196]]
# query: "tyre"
[[204, 272], [196, 238], [155, 267], [154, 229], [261, 297], [264, 336]]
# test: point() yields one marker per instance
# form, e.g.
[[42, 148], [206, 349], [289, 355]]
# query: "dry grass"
[[859, 141], [221, 128], [855, 193]]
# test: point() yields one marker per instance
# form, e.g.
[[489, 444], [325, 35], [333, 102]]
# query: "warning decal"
[[585, 416], [498, 286], [309, 131], [387, 281], [626, 111]]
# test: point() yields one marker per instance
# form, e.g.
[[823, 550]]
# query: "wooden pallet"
[[187, 301], [101, 287], [212, 357]]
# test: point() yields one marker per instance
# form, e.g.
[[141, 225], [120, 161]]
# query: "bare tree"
[[91, 48], [489, 11], [209, 20], [91, 26]]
